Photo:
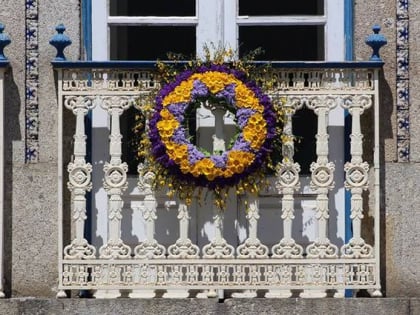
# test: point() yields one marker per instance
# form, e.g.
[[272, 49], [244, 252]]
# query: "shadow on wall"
[[386, 102], [12, 134], [386, 108]]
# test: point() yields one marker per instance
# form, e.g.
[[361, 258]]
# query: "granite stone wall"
[[31, 143], [400, 138]]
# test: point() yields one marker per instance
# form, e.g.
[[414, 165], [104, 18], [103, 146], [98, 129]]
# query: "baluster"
[[183, 248], [115, 179], [149, 248], [79, 179], [287, 183], [322, 178], [356, 178], [218, 248], [252, 247]]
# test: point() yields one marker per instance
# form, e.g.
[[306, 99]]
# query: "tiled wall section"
[[31, 82], [403, 92]]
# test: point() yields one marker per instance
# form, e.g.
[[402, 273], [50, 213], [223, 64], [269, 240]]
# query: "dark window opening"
[[152, 8], [151, 43], [286, 43], [304, 130], [277, 7]]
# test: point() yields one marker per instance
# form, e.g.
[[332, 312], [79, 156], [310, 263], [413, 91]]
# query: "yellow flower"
[[238, 161], [179, 152], [246, 98], [181, 94], [215, 81], [255, 131], [204, 167], [167, 125]]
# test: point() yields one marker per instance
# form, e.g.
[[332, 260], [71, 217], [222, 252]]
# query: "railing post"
[[218, 248], [322, 178], [252, 247], [149, 248], [287, 183], [115, 179], [183, 248], [357, 173], [79, 178]]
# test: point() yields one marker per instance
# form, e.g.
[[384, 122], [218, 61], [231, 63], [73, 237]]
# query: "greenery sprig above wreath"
[[177, 162]]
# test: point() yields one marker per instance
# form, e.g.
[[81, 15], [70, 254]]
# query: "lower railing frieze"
[[219, 274]]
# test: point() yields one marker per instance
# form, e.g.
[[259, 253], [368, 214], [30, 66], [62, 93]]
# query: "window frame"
[[218, 21], [222, 24]]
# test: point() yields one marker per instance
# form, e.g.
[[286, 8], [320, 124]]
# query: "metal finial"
[[60, 41], [376, 41], [4, 41]]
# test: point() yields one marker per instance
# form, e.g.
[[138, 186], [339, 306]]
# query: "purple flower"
[[219, 160], [178, 110], [241, 145], [179, 136], [228, 93], [194, 155], [199, 89], [242, 115]]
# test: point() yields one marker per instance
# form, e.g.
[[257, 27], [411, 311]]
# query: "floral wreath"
[[228, 87]]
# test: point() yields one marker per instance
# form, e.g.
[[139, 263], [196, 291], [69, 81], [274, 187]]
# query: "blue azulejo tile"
[[403, 4]]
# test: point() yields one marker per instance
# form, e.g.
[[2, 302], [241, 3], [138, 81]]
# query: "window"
[[299, 30], [284, 30]]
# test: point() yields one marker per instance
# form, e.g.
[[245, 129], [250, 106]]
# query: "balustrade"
[[185, 266]]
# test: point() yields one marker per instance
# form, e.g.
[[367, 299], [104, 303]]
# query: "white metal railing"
[[183, 266]]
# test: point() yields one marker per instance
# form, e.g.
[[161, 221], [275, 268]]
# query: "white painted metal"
[[152, 20], [218, 247], [115, 178], [377, 182], [322, 178], [247, 266], [60, 181], [287, 183], [100, 128], [244, 20], [100, 28], [357, 173], [150, 248], [79, 178]]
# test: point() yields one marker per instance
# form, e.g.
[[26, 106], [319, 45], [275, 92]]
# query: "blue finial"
[[60, 41], [376, 41], [4, 41]]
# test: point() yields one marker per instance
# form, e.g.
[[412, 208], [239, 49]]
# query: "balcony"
[[152, 244]]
